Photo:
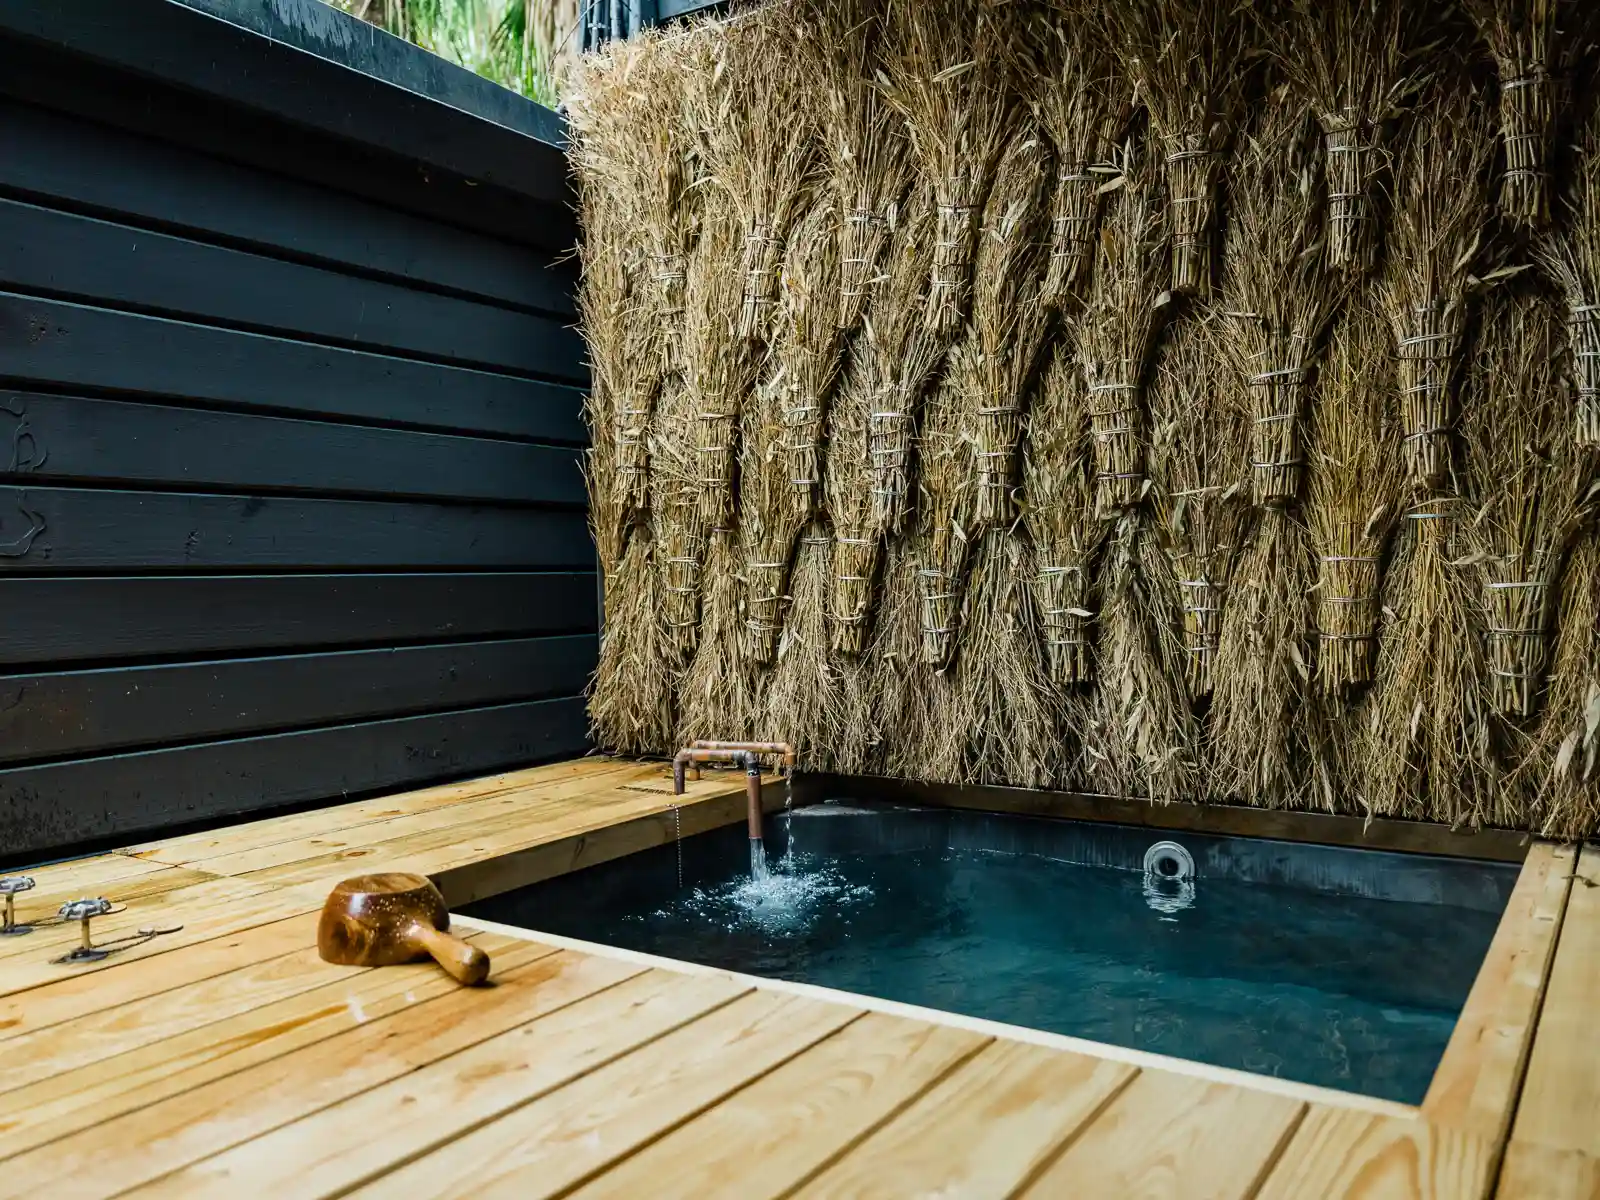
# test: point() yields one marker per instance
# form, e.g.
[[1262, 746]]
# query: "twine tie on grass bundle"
[[952, 262], [1517, 646], [889, 449], [939, 597], [1427, 358], [1348, 202], [1066, 624], [1347, 617], [1585, 331], [804, 463], [855, 561], [1275, 460], [1190, 174], [762, 257], [1527, 110], [1000, 426], [1071, 229], [1119, 472]]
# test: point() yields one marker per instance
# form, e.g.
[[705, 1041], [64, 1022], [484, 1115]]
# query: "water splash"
[[787, 900], [758, 861]]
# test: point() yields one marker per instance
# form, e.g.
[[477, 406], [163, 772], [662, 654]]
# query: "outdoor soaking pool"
[[1341, 968]]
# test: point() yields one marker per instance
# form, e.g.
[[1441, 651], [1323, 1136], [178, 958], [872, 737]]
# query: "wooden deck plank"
[[1178, 1137], [154, 880], [1342, 1154], [436, 851], [1533, 1172], [769, 1137], [554, 799], [110, 1032], [985, 1130], [214, 894], [82, 875], [77, 1100], [142, 1146], [513, 861], [1476, 1084], [544, 1148], [206, 911], [363, 1138], [1560, 1106], [193, 848], [125, 983]]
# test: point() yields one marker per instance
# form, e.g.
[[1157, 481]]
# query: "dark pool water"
[[1340, 968]]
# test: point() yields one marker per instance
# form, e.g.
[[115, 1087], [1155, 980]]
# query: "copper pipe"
[[752, 777], [783, 749]]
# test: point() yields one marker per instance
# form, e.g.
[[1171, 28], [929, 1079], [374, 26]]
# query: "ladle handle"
[[465, 962]]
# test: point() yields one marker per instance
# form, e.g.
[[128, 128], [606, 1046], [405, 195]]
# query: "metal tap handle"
[[82, 910], [10, 885]]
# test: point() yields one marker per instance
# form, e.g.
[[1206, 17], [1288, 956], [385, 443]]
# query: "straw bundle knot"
[[1522, 35]]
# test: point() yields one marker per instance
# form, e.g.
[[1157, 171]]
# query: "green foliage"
[[513, 42]]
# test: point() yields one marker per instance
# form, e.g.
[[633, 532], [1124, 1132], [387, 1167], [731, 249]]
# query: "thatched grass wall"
[[1175, 398]]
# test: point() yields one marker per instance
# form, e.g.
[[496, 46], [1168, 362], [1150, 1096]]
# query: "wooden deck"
[[226, 1059]]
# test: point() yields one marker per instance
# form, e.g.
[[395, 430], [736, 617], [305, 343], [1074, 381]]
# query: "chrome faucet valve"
[[10, 885], [84, 911]]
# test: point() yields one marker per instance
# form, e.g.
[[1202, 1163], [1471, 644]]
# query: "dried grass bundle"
[[870, 422], [1277, 292], [948, 488], [780, 454], [1522, 36], [719, 697], [1082, 101], [1260, 727], [1441, 197], [973, 421], [1009, 320], [1354, 493], [1428, 740], [1359, 63], [1572, 258], [880, 689], [804, 703], [1191, 60], [631, 697], [868, 151], [1530, 483], [1563, 760], [1117, 329], [756, 123], [614, 290], [945, 74], [1199, 434], [1140, 737], [1012, 721], [692, 440], [1059, 484]]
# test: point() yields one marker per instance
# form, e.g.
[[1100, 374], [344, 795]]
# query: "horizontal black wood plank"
[[224, 62], [59, 80], [52, 806], [56, 157], [102, 619], [73, 529], [49, 438], [78, 346], [76, 713], [66, 255]]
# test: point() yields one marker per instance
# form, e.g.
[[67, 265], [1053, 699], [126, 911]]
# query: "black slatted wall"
[[290, 437]]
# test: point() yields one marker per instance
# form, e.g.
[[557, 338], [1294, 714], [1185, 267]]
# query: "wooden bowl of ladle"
[[393, 917]]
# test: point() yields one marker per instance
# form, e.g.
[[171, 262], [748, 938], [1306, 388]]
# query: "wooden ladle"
[[380, 920]]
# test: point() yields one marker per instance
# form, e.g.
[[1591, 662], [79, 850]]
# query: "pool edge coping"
[[1143, 1059]]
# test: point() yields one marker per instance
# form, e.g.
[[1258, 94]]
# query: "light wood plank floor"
[[226, 1059]]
